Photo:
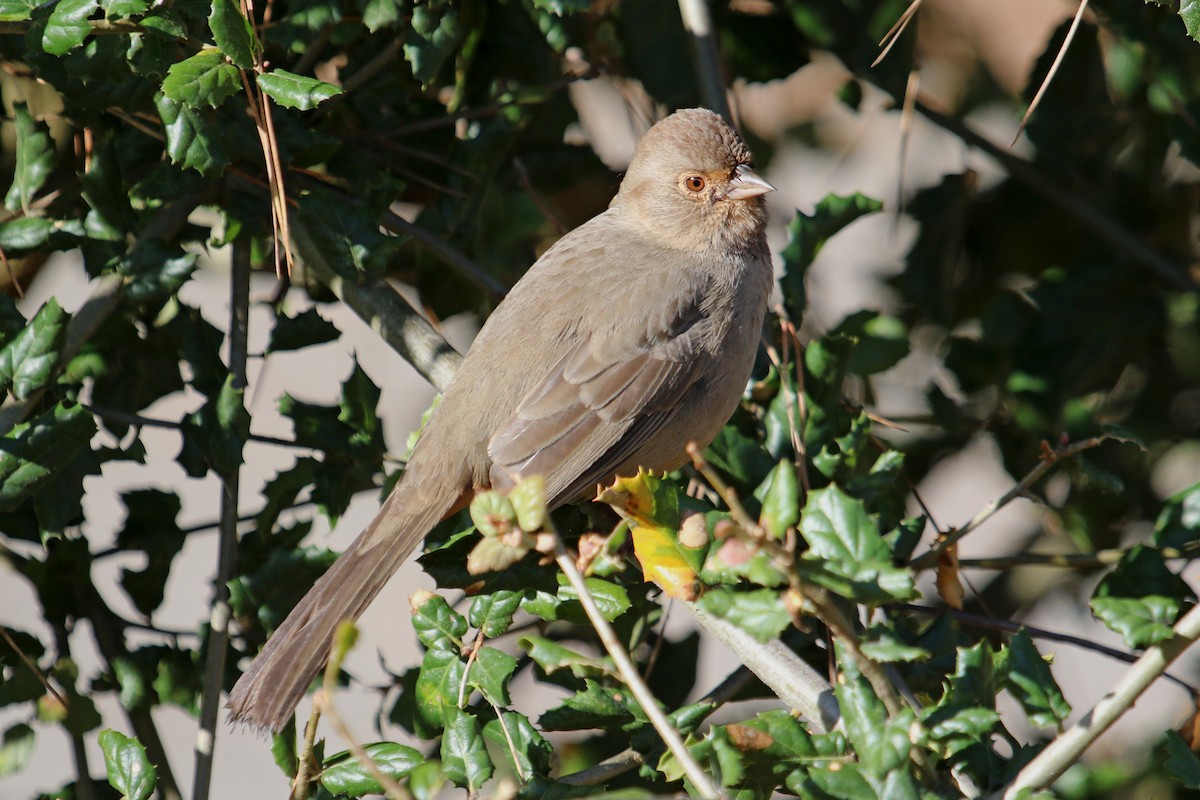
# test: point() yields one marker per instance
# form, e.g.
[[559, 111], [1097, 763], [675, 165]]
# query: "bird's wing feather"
[[594, 409]]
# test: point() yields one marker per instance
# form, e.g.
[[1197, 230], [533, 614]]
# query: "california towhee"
[[632, 336]]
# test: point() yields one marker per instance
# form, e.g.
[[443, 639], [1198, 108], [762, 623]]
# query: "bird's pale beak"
[[745, 183]]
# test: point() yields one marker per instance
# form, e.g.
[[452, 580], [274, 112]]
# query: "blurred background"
[[1040, 302]]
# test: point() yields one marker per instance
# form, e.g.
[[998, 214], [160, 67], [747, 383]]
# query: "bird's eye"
[[694, 183]]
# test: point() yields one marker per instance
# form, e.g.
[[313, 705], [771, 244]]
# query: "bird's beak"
[[745, 183]]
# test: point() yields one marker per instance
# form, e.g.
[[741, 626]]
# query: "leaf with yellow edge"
[[651, 508]]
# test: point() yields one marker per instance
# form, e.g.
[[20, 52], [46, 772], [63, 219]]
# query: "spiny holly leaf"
[[17, 10], [193, 139], [67, 26], [513, 734], [1030, 681], [781, 500], [343, 774], [129, 769], [296, 91], [1181, 764], [760, 613], [34, 156], [595, 707], [493, 613], [27, 362], [1189, 12], [490, 672], [465, 757], [845, 552], [437, 691], [1141, 598], [670, 555], [205, 79], [232, 33], [33, 452], [881, 742], [438, 626], [552, 657], [808, 234]]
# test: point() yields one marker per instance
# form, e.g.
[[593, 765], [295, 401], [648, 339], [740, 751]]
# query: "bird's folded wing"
[[593, 411]]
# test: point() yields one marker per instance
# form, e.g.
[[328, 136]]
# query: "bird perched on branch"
[[632, 336]]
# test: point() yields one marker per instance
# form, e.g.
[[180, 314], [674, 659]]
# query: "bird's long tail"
[[269, 691]]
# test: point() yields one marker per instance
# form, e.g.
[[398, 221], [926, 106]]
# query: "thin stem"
[[1049, 458], [1058, 59], [1070, 745], [606, 770], [307, 759], [110, 641], [447, 254], [705, 60], [33, 667], [83, 773], [139, 420], [218, 640], [1096, 560], [629, 673]]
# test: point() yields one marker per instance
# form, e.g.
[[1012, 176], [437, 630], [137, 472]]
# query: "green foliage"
[[1022, 295]]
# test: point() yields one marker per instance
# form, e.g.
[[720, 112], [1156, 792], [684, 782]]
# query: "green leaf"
[[808, 234], [1032, 684], [33, 452], [205, 79], [465, 757], [511, 733], [493, 613], [433, 35], [552, 656], [438, 626], [232, 32], [1189, 12], [16, 749], [17, 10], [437, 690], [963, 729], [27, 363], [611, 598], [67, 26], [1141, 597], [781, 500], [490, 672], [156, 272], [283, 748], [306, 329], [1141, 621], [760, 613], [129, 770], [1178, 523], [595, 707], [1181, 764], [881, 643], [123, 9], [881, 743], [343, 774], [296, 91], [193, 139], [34, 157], [845, 552]]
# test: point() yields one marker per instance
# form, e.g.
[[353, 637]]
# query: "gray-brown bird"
[[630, 337]]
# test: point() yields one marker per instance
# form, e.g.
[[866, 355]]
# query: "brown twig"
[[1058, 59], [896, 31], [1049, 458]]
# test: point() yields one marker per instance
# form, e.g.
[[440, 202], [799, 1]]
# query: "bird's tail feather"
[[269, 691]]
